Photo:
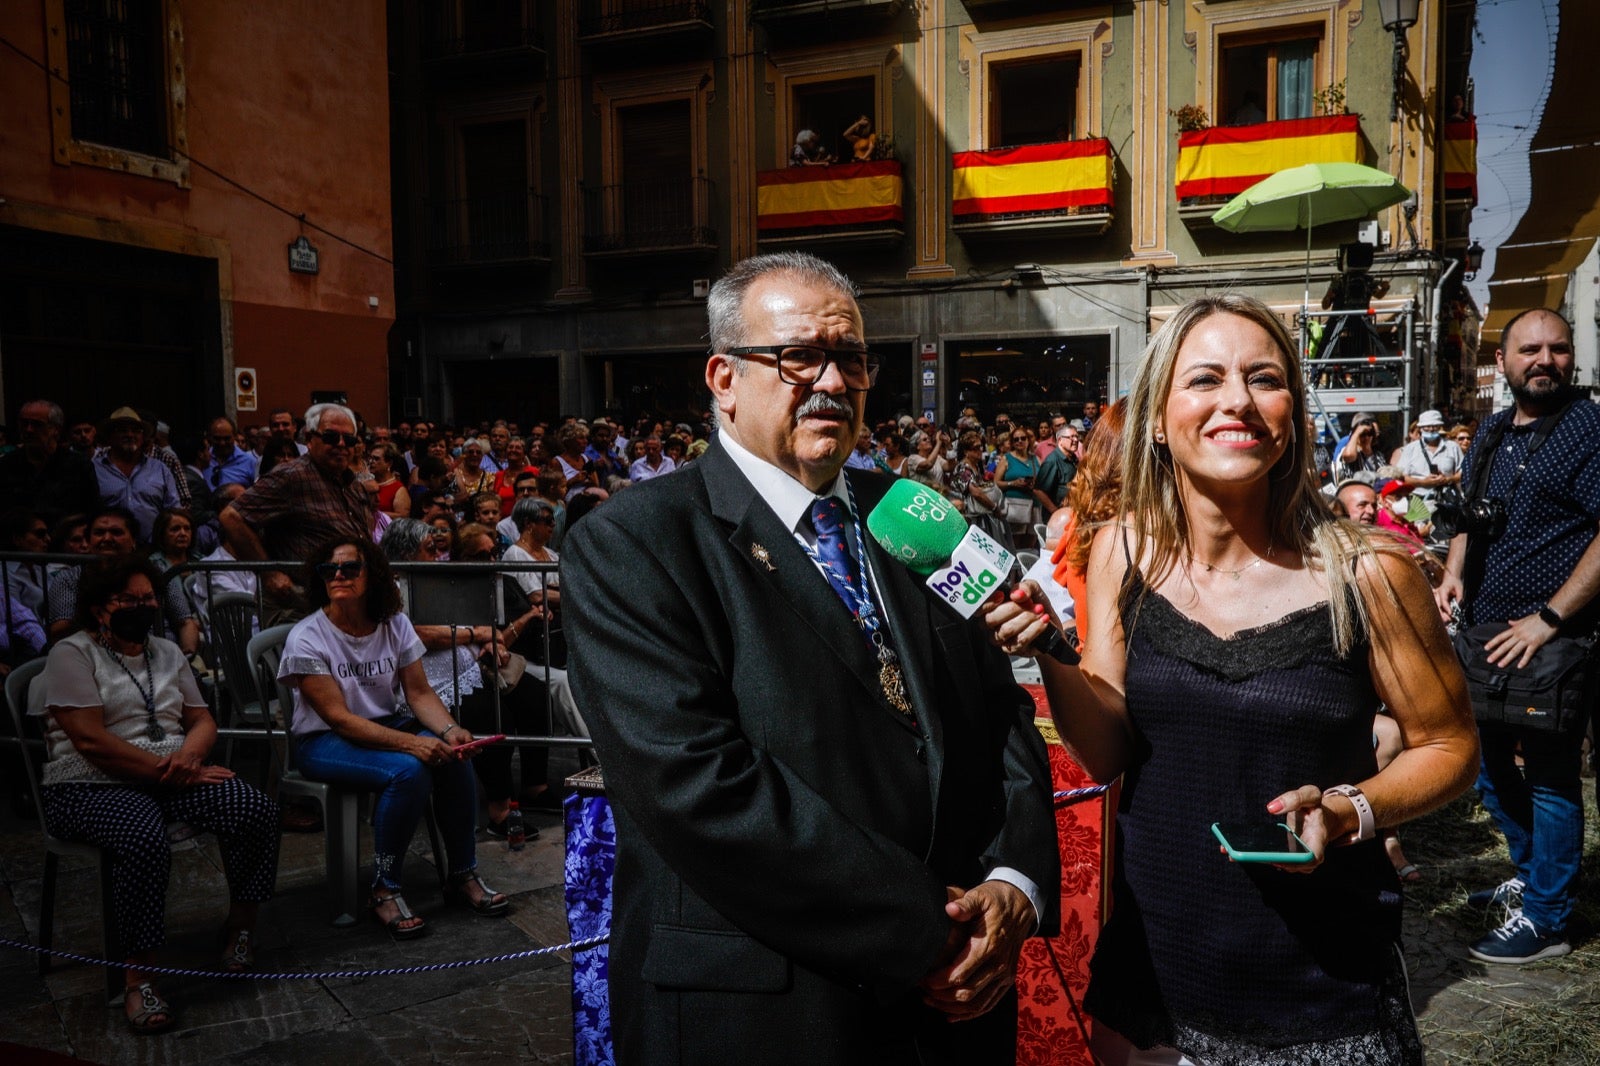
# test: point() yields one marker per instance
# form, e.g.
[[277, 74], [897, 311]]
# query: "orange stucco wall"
[[290, 100]]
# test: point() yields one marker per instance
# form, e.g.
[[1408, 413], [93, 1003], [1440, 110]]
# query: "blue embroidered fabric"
[[590, 861]]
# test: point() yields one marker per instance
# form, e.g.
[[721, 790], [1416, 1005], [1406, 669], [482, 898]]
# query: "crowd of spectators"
[[124, 490]]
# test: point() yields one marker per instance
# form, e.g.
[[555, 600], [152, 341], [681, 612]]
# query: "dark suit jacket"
[[784, 837]]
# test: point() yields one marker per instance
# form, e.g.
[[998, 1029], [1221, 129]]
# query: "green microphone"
[[917, 525]]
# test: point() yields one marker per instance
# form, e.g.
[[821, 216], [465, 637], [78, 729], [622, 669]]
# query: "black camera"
[[1454, 513]]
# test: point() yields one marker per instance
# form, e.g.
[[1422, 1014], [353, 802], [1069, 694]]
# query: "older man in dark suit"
[[834, 826]]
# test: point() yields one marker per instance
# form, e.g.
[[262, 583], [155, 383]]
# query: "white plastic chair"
[[18, 683], [340, 806]]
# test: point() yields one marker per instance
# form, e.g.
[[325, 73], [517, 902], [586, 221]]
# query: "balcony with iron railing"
[[620, 21], [823, 16], [655, 217], [845, 203], [1218, 163], [1061, 189], [493, 229], [461, 39]]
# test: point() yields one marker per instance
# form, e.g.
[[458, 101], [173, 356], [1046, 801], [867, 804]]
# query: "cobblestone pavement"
[[1540, 1015]]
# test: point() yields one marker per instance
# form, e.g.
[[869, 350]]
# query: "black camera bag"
[[1552, 694]]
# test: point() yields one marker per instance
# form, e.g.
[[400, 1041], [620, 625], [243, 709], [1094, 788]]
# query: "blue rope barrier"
[[1073, 795], [325, 975]]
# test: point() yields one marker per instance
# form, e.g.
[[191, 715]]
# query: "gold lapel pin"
[[759, 553]]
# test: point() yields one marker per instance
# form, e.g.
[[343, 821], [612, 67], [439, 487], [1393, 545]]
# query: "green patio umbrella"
[[1306, 196]]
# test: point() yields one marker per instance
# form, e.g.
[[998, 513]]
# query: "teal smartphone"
[[1271, 842]]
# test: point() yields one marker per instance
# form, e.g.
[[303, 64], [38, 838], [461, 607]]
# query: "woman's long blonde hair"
[[1301, 520]]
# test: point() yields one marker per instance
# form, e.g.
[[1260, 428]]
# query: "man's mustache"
[[820, 403]]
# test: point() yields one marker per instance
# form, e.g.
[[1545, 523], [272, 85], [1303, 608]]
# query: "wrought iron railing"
[[463, 28], [648, 215], [598, 18], [494, 228]]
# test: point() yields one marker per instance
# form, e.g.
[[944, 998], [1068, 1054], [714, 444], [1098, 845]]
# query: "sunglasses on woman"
[[345, 571]]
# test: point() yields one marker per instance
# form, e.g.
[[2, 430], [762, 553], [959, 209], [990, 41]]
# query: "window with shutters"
[[493, 214], [1033, 100], [1268, 76], [653, 192], [1034, 84], [117, 103]]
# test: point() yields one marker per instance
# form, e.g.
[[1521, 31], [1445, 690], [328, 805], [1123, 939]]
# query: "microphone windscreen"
[[917, 525]]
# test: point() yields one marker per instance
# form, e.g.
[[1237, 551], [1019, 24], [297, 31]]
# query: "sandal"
[[238, 953], [491, 904], [402, 914], [151, 1007]]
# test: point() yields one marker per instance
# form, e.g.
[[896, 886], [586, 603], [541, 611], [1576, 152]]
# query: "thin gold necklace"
[[1237, 574]]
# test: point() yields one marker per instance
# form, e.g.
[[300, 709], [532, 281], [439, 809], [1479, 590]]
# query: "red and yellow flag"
[[1227, 160], [1034, 177], [844, 194], [1461, 159]]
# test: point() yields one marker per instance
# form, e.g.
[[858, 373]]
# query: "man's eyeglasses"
[[334, 439], [347, 571], [800, 364]]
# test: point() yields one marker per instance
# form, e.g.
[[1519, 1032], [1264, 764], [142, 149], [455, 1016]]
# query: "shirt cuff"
[[1022, 883]]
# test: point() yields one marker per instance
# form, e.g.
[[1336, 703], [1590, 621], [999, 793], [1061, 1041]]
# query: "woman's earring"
[[1161, 438]]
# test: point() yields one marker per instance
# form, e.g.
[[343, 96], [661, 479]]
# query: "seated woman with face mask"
[[127, 735]]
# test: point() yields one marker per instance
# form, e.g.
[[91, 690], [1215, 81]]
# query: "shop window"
[[1029, 378], [1267, 78], [1033, 101], [829, 108]]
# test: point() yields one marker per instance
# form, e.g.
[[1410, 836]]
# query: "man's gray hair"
[[725, 304], [315, 412], [52, 412], [525, 510], [404, 538]]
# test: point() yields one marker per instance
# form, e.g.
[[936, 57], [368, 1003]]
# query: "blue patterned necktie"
[[827, 518]]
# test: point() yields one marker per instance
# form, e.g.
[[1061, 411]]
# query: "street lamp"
[[1474, 259], [1398, 16]]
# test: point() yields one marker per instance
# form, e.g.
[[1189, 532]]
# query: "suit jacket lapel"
[[762, 543]]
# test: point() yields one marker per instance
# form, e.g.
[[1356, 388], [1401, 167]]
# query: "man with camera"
[[1524, 565]]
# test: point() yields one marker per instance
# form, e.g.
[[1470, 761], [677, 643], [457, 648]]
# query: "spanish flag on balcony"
[[1227, 160], [1461, 159], [845, 194], [1034, 177]]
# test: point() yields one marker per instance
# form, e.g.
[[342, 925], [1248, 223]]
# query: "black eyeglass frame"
[[333, 438], [872, 360]]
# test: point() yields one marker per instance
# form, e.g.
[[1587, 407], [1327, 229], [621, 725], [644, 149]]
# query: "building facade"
[[1023, 188], [194, 206]]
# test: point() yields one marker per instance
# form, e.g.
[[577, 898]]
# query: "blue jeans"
[[1540, 810], [402, 783]]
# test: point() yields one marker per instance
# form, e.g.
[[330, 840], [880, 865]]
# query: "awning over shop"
[[845, 194], [1227, 160], [1034, 177]]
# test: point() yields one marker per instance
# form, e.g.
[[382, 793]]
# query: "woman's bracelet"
[[447, 730]]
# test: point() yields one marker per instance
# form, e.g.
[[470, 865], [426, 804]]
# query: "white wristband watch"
[[1367, 825]]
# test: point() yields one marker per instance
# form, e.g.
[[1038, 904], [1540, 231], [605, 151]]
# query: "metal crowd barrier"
[[441, 593]]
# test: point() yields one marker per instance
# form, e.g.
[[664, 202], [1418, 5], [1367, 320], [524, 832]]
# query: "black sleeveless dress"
[[1239, 962]]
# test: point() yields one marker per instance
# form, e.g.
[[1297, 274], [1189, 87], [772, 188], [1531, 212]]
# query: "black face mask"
[[133, 624]]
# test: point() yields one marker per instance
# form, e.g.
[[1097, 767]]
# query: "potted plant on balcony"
[[1192, 118], [1331, 101]]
